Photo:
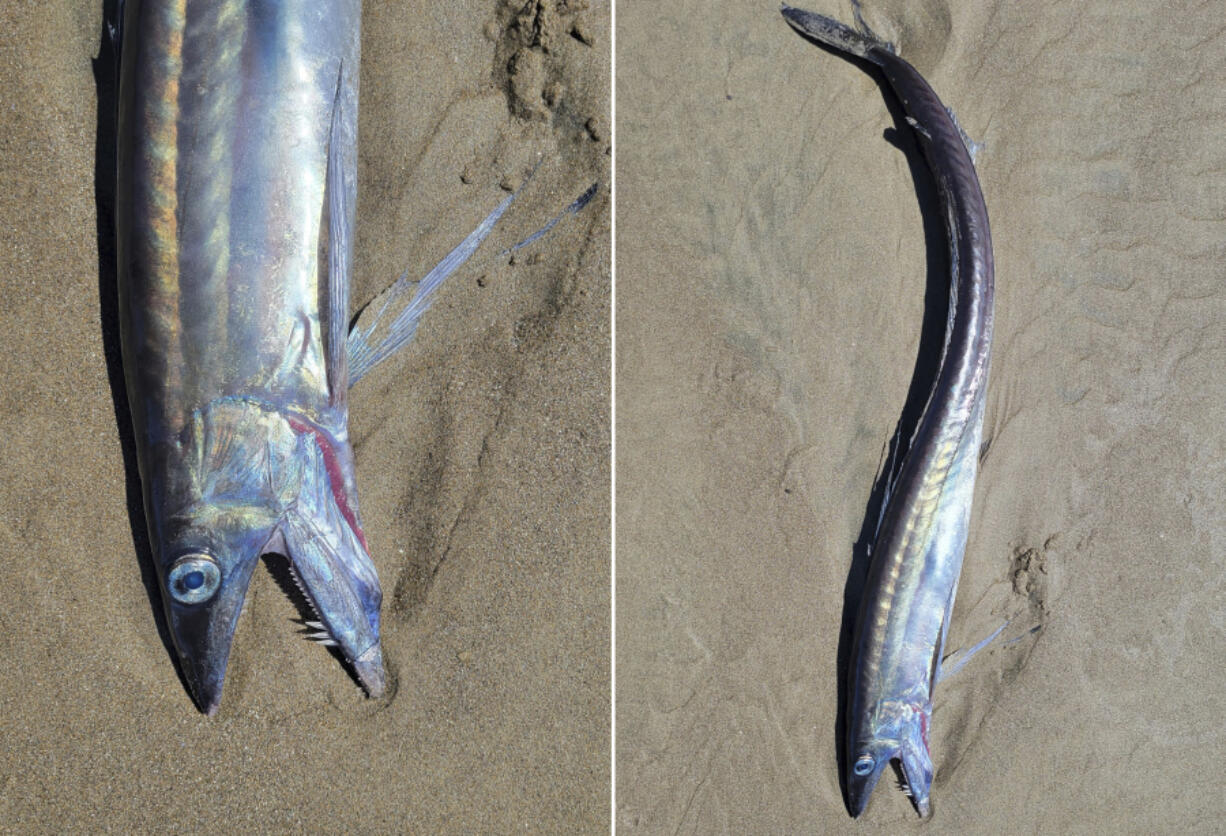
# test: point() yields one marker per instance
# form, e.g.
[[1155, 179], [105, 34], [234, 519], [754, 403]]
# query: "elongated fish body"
[[904, 615], [235, 201]]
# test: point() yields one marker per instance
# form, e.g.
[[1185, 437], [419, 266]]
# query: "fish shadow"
[[106, 83], [923, 377]]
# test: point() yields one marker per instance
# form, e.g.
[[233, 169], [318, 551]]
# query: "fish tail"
[[860, 41]]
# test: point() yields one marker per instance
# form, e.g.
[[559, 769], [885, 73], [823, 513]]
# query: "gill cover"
[[258, 480]]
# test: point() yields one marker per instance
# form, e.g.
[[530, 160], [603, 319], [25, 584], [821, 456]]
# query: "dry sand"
[[771, 282], [482, 460]]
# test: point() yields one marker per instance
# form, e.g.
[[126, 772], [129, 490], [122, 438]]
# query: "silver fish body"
[[903, 620], [235, 202]]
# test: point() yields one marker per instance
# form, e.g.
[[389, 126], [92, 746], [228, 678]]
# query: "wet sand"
[[482, 463], [772, 281]]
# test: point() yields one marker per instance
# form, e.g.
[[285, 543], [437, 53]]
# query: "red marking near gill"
[[336, 480]]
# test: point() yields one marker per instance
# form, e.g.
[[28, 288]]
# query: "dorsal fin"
[[114, 27], [337, 191]]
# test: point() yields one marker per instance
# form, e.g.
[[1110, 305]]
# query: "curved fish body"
[[917, 553], [234, 211]]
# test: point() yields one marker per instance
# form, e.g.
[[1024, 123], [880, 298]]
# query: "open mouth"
[[313, 627]]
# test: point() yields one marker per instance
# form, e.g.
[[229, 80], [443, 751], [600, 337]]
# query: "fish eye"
[[864, 765], [193, 578]]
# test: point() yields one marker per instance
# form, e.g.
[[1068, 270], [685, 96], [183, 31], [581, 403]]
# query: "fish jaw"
[[338, 580], [202, 607], [897, 731], [370, 671], [864, 769], [917, 762], [250, 479]]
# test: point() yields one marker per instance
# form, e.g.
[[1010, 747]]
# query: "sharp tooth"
[[322, 635], [316, 625], [293, 573], [328, 643]]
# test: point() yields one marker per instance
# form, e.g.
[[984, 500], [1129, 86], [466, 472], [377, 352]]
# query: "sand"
[[775, 263], [482, 463], [771, 277]]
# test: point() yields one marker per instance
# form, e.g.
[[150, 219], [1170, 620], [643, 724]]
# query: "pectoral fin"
[[378, 333], [957, 660]]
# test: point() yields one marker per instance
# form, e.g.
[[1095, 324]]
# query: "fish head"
[[896, 731], [258, 482], [205, 571], [866, 763]]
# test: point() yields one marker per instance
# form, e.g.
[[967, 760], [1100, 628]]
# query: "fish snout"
[[370, 671]]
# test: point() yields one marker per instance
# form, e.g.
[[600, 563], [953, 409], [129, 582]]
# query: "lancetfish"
[[234, 220], [916, 558]]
